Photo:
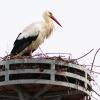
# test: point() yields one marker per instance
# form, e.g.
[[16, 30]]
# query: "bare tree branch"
[[84, 55], [94, 58]]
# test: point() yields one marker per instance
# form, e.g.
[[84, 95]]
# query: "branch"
[[84, 55], [96, 92], [94, 58]]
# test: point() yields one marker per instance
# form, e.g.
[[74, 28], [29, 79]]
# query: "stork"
[[34, 35]]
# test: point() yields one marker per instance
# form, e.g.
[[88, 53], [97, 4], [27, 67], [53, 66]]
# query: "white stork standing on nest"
[[34, 35]]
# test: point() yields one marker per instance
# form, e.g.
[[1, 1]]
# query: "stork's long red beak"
[[56, 20]]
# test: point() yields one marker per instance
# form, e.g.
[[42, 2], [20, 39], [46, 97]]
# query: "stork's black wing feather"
[[21, 44]]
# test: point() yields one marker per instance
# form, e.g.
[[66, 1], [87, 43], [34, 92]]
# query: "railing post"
[[7, 71], [53, 71]]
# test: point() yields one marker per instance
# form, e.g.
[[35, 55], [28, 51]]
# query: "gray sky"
[[80, 20]]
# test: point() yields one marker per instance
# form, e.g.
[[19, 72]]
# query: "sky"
[[80, 32]]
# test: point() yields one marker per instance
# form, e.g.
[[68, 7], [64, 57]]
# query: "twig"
[[94, 97], [94, 58], [84, 55], [94, 72], [93, 65], [96, 92]]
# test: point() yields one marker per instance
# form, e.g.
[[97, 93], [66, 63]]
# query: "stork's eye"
[[50, 13]]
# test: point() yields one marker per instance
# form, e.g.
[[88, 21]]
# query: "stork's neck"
[[49, 23], [49, 26]]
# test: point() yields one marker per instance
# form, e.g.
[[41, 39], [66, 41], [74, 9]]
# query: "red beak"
[[56, 20]]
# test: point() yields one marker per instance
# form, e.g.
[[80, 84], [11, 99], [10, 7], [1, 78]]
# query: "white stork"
[[33, 35]]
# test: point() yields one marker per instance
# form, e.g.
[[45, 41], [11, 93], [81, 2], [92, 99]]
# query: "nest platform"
[[43, 79]]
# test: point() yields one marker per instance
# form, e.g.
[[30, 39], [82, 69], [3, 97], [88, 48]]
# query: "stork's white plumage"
[[34, 35]]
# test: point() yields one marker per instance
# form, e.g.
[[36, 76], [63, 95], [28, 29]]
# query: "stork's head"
[[47, 15]]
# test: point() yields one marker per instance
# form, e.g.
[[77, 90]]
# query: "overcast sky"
[[80, 20]]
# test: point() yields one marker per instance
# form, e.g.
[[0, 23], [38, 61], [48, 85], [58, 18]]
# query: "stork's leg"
[[28, 53], [45, 55]]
